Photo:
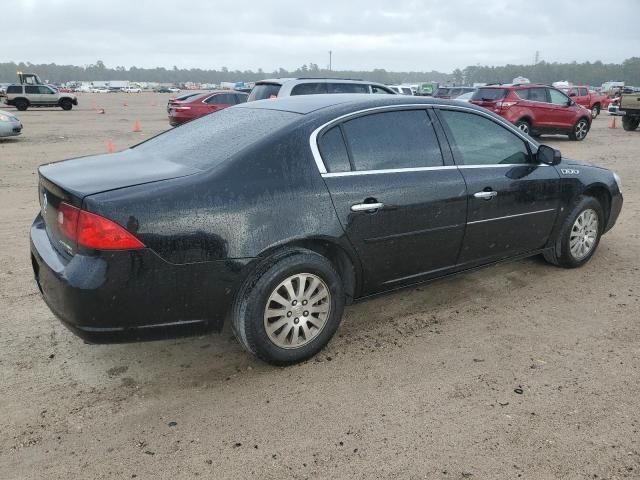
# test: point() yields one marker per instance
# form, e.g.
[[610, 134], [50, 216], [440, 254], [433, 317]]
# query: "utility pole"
[[537, 59], [330, 54]]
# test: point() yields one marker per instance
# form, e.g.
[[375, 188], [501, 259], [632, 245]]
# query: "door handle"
[[486, 195], [366, 207]]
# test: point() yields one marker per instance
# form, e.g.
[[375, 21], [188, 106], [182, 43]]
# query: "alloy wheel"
[[524, 127], [297, 310], [582, 129], [584, 234], [594, 112]]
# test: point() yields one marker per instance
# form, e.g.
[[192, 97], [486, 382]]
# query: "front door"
[[512, 200], [402, 209]]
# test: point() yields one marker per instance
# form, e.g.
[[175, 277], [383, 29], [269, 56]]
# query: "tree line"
[[583, 73]]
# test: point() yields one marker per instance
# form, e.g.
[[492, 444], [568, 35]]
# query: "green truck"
[[630, 105]]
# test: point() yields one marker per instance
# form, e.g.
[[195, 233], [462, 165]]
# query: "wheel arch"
[[344, 261], [17, 99], [601, 193]]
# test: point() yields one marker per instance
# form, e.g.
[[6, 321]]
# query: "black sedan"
[[275, 214]]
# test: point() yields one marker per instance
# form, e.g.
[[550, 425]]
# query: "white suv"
[[284, 87], [25, 96]]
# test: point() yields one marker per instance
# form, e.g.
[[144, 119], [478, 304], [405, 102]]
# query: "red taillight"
[[93, 231]]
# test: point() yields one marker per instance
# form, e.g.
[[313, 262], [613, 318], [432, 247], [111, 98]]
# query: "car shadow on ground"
[[218, 358]]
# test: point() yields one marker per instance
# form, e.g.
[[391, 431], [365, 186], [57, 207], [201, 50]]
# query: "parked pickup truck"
[[589, 99], [630, 109]]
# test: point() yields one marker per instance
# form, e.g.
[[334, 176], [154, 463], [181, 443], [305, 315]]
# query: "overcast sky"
[[363, 34]]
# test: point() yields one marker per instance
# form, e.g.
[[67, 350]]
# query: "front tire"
[[595, 111], [289, 309], [579, 235], [580, 130], [524, 126]]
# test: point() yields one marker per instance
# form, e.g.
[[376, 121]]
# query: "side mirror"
[[548, 155], [570, 103]]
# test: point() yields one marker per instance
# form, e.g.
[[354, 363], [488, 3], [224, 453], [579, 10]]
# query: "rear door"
[[401, 204], [537, 99], [512, 201], [33, 94]]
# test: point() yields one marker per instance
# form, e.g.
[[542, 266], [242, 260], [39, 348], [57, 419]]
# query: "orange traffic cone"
[[136, 126], [613, 122], [110, 146]]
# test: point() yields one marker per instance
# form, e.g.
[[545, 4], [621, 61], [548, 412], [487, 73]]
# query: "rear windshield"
[[264, 91], [208, 141], [188, 95], [489, 94]]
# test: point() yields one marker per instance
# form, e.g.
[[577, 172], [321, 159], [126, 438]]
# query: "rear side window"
[[379, 89], [443, 91], [407, 91], [348, 88], [309, 89], [241, 98], [32, 89], [533, 94], [210, 140], [334, 151], [399, 139], [480, 141], [14, 89], [264, 91], [222, 99], [489, 94]]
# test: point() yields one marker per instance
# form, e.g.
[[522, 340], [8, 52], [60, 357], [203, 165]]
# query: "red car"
[[536, 109], [589, 99], [192, 106]]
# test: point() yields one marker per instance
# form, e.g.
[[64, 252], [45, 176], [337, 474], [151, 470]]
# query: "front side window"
[[481, 141], [309, 89], [45, 90], [584, 92], [390, 140], [557, 97]]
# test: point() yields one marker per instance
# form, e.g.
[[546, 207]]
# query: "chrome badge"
[[45, 203], [569, 171]]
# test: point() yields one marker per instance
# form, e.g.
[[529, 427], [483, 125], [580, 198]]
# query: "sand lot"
[[418, 384]]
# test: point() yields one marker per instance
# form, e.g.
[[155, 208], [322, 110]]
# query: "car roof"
[[305, 104], [282, 81]]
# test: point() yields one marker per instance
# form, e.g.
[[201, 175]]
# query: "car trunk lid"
[[72, 180]]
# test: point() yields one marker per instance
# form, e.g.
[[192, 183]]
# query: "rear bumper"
[[125, 296]]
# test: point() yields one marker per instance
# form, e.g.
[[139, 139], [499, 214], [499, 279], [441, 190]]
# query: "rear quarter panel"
[[267, 196]]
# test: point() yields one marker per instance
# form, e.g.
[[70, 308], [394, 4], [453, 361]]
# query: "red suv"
[[536, 109], [193, 106]]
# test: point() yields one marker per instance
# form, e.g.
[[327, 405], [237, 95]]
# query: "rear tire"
[[580, 130], [289, 308], [582, 228], [595, 110], [66, 104], [21, 104], [630, 123]]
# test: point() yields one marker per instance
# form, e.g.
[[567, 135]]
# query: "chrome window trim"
[[387, 170], [511, 216], [313, 138]]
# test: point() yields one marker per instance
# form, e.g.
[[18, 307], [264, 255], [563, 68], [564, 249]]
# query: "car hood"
[[100, 173]]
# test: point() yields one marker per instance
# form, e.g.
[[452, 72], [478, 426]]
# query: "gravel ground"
[[521, 370]]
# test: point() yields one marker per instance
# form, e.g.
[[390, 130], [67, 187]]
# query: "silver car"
[[10, 126], [285, 87]]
